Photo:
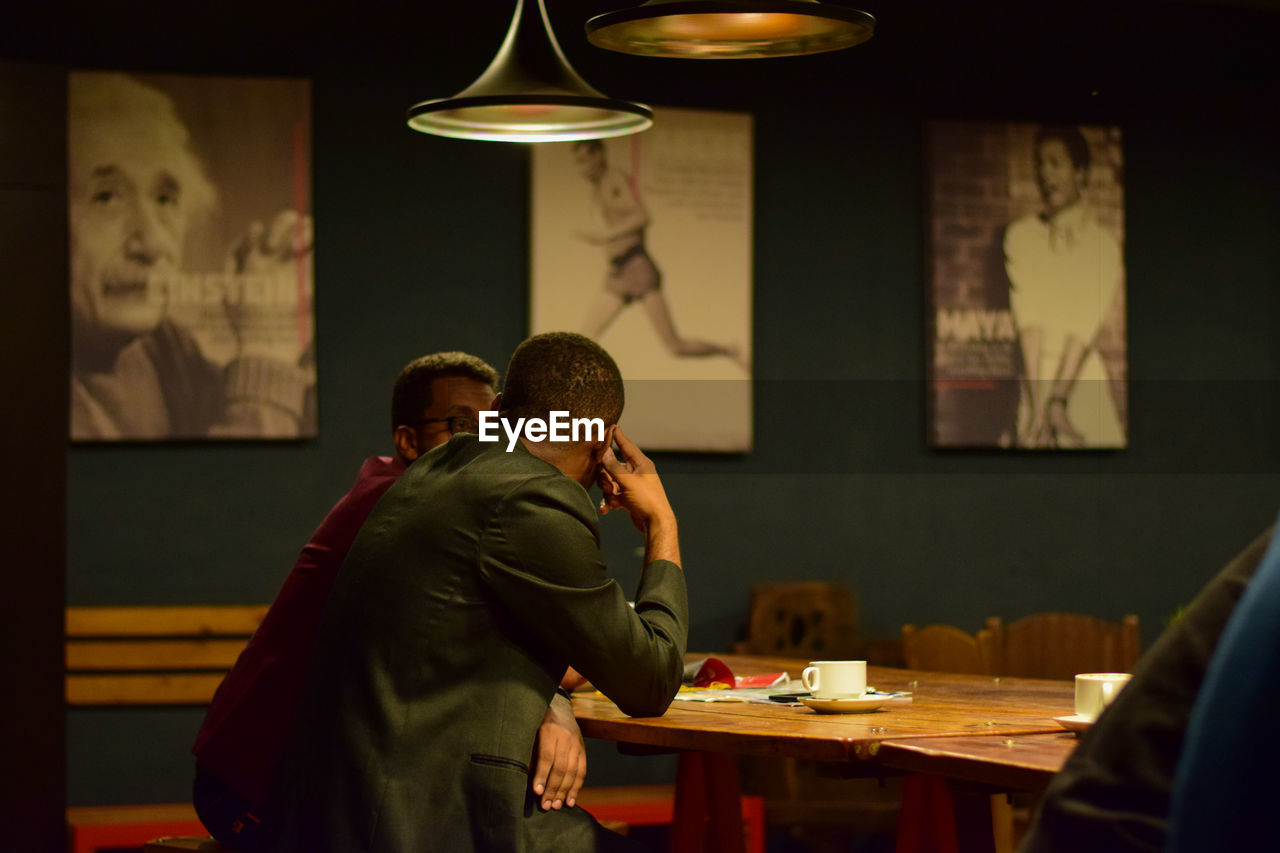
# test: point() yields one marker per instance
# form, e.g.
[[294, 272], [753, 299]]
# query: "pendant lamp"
[[529, 93], [730, 29]]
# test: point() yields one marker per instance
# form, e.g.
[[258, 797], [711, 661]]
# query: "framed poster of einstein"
[[1027, 286], [643, 243], [191, 278]]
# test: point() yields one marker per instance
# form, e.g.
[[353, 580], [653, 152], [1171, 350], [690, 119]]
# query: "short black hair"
[[590, 145], [1071, 137], [563, 371], [412, 394]]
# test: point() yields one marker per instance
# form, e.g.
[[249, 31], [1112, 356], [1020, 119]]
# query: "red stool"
[[93, 828]]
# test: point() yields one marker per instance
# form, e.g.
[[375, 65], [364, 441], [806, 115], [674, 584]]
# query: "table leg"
[[708, 807], [973, 819], [926, 823], [939, 818], [689, 814]]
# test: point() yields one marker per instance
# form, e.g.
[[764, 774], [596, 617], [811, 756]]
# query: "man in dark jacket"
[[475, 583]]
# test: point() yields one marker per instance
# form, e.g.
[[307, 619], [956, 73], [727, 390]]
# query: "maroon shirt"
[[248, 723]]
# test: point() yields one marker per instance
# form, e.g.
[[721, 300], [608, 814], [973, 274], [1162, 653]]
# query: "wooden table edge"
[[915, 755], [845, 750]]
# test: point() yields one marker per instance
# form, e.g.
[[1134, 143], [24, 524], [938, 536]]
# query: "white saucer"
[[844, 706], [1074, 722]]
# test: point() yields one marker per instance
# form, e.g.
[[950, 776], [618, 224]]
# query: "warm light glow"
[[747, 26], [723, 29], [530, 110], [525, 122]]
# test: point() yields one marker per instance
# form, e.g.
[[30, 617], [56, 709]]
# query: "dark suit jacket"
[[476, 580], [1226, 786]]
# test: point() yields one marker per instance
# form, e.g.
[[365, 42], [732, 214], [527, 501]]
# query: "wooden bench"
[[153, 655], [147, 656]]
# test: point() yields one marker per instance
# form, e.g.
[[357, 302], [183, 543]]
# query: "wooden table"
[[1018, 763], [950, 709]]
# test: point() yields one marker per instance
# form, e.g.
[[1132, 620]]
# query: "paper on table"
[[728, 694], [781, 692], [774, 683], [900, 696]]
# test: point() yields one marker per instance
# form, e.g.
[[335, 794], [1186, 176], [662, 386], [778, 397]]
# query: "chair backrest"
[[1059, 645], [807, 619], [153, 655], [944, 648]]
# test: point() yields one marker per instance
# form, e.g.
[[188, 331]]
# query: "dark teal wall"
[[422, 245]]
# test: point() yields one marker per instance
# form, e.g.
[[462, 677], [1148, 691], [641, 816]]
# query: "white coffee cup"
[[1096, 690], [835, 679]]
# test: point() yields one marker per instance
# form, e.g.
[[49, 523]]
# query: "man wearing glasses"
[[244, 733], [436, 397]]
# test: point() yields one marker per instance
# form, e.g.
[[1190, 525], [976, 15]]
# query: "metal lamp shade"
[[720, 29], [529, 93]]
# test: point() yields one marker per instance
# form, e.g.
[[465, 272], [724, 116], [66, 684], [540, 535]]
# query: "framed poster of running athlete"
[[643, 243], [1027, 286]]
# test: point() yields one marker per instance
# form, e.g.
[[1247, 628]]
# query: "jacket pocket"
[[499, 761], [494, 787]]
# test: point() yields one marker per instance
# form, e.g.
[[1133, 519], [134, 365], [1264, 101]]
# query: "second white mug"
[[835, 679], [1095, 690]]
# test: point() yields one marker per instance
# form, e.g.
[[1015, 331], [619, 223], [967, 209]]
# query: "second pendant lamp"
[[730, 29]]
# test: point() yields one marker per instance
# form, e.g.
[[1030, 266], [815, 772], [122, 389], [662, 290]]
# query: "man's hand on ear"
[[632, 483]]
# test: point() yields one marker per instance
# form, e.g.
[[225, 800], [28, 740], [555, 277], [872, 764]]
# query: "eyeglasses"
[[455, 424]]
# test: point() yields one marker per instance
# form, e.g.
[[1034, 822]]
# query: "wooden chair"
[[1059, 645], [944, 648], [804, 619], [814, 620]]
